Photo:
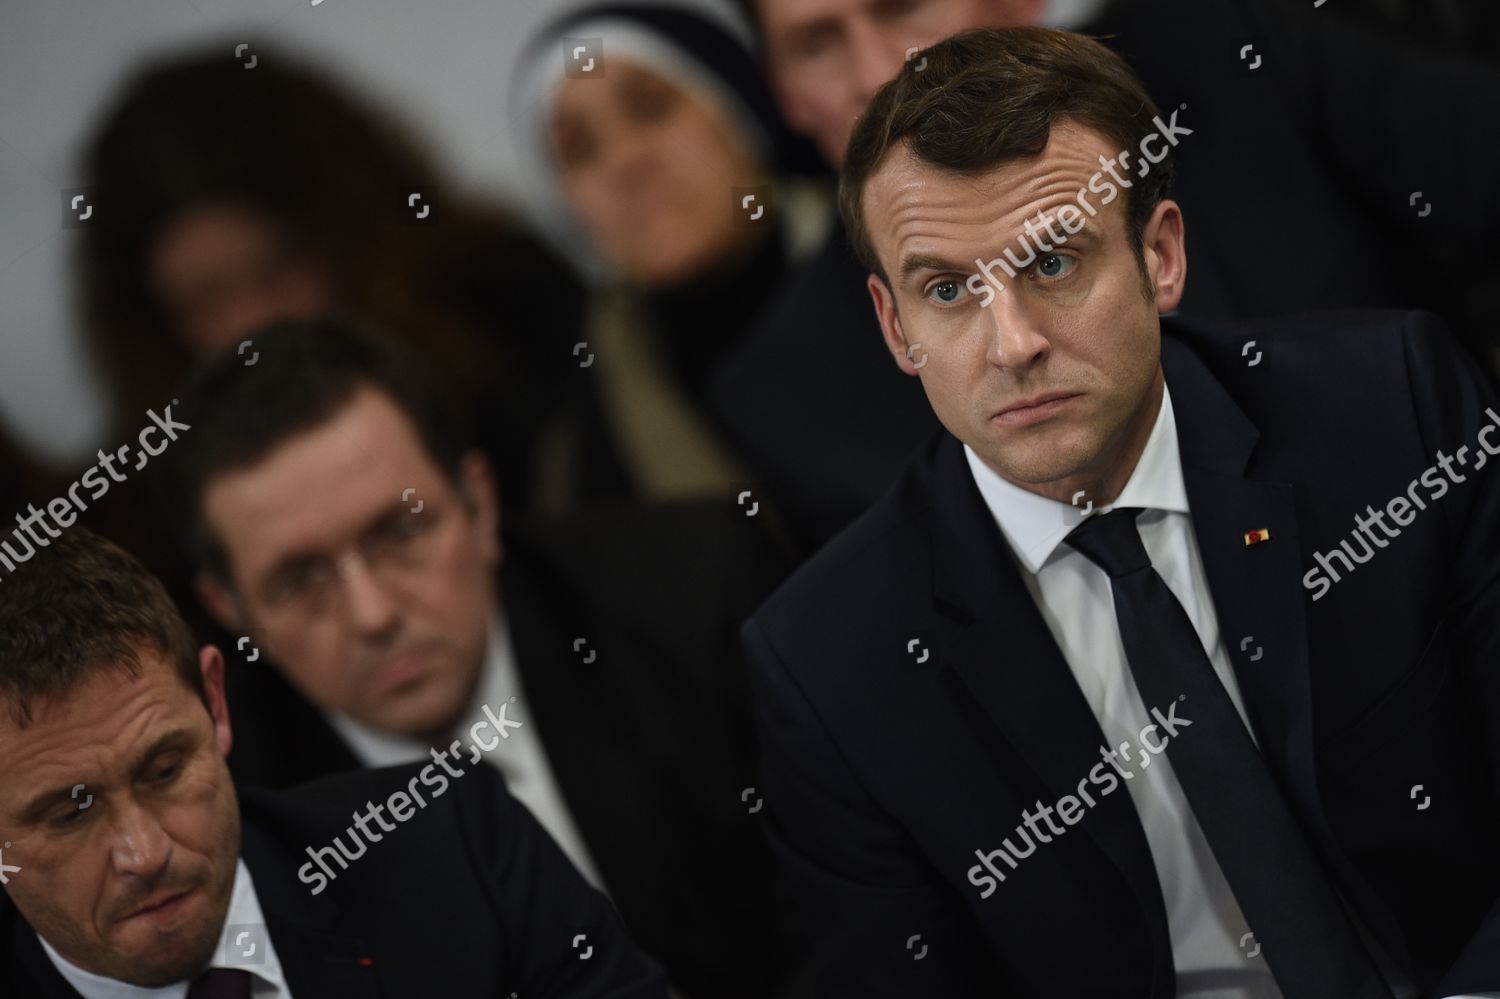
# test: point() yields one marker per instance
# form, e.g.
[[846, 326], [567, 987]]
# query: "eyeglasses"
[[400, 545]]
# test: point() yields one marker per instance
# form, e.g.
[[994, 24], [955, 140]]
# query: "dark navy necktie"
[[1305, 934], [221, 983]]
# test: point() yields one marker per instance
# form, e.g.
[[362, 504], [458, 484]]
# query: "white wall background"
[[442, 66]]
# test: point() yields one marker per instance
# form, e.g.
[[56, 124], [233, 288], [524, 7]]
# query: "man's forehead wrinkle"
[[1060, 172], [907, 187], [58, 759], [913, 219], [925, 206]]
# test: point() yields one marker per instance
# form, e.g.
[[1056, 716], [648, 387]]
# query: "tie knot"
[[1111, 542]]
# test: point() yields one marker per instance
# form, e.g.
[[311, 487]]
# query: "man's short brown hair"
[[988, 96], [81, 606]]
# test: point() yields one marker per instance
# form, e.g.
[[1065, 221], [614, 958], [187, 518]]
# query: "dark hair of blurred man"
[[128, 862]]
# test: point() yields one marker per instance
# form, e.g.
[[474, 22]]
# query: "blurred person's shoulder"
[[429, 806], [878, 562], [643, 555]]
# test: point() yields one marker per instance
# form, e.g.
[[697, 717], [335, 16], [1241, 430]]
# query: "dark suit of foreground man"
[[130, 858], [1111, 694]]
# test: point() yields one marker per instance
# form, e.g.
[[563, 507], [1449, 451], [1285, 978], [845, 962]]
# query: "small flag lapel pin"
[[1258, 535]]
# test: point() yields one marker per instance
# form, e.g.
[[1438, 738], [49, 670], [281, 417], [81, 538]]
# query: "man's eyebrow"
[[927, 262], [176, 738], [288, 564], [40, 805], [301, 558]]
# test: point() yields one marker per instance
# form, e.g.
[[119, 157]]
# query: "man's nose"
[[141, 847], [372, 607], [1017, 340]]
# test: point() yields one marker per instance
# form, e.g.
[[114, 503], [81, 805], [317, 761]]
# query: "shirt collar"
[[243, 916], [1034, 525], [374, 747]]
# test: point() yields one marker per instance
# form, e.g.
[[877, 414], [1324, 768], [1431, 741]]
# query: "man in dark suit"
[[349, 536], [1127, 562], [130, 862], [1329, 144]]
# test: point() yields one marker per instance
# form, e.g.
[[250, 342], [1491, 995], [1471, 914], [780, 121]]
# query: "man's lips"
[[1036, 408], [160, 905], [400, 670]]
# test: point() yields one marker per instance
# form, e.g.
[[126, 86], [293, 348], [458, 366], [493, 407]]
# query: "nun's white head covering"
[[678, 43]]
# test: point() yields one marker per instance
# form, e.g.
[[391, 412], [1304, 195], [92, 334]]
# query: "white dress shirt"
[[252, 952], [520, 757], [1075, 599]]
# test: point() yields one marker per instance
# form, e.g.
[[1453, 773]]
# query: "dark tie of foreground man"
[[1307, 937]]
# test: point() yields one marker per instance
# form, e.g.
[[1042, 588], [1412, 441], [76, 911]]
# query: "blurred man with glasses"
[[351, 544]]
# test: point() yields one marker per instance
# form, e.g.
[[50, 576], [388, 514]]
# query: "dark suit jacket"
[[652, 743], [468, 897], [1295, 185], [884, 775]]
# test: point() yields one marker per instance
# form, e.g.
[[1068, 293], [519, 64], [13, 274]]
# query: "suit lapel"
[[1259, 601], [557, 678], [1256, 589], [567, 691], [1007, 660], [990, 628], [317, 957]]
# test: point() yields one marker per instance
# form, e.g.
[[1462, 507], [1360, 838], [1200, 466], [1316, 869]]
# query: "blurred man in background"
[[350, 537]]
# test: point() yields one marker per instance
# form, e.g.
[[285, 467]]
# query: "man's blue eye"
[[1055, 265], [946, 292]]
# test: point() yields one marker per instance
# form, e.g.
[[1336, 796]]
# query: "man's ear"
[[1164, 244], [477, 481], [221, 604], [211, 667], [890, 323]]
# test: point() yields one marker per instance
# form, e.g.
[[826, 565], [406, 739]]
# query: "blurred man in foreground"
[[130, 860]]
